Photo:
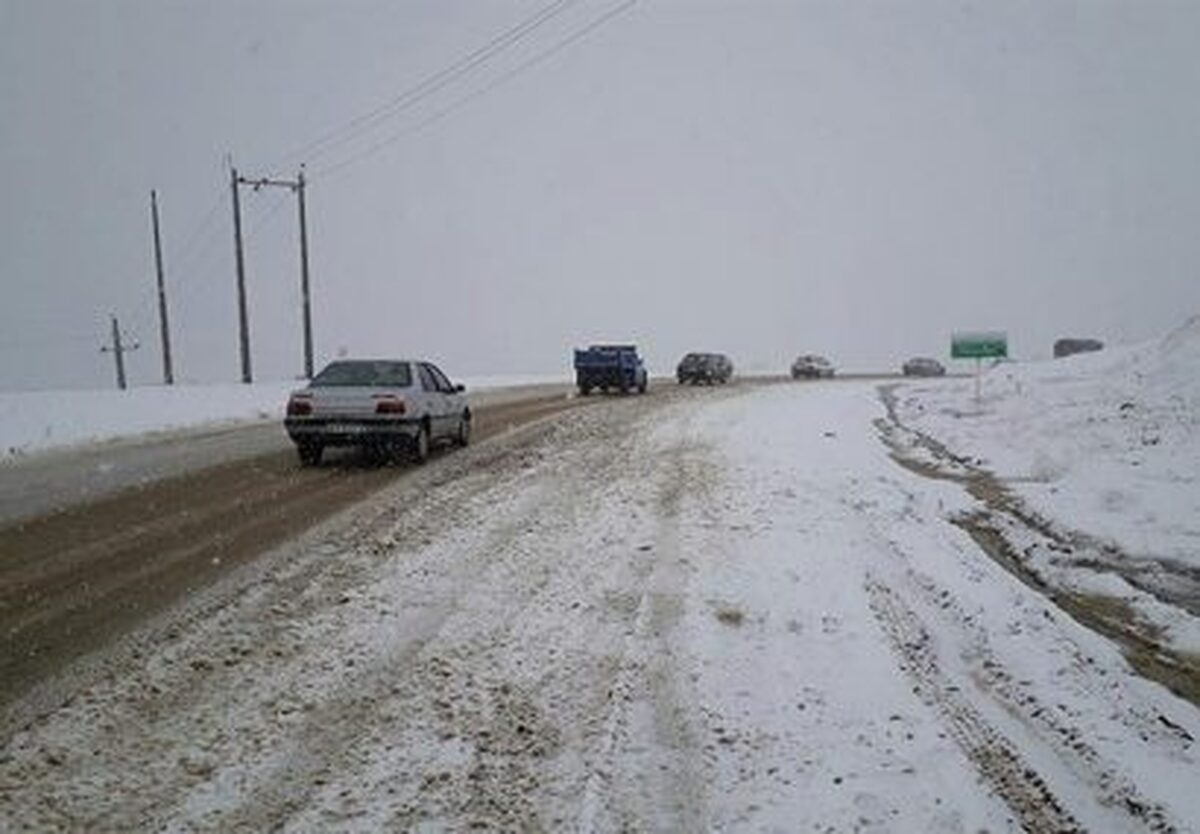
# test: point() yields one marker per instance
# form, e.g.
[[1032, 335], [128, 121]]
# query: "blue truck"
[[609, 367]]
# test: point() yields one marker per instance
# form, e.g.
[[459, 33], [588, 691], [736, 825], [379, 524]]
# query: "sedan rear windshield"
[[365, 374]]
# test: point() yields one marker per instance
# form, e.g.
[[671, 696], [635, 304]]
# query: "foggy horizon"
[[762, 179]]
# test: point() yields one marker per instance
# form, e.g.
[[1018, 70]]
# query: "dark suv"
[[704, 367]]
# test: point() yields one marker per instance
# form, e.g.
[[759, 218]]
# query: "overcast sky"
[[759, 178]]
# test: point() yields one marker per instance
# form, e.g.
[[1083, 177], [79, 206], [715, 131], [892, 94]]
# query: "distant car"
[[811, 366], [704, 367], [923, 366], [385, 406], [1066, 347]]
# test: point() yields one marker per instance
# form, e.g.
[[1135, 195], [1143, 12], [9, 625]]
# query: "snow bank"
[[32, 421], [35, 421], [1106, 442]]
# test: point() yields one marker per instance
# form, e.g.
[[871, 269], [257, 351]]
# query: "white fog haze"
[[758, 178]]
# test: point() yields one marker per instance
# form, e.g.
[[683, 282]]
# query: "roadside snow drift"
[[1106, 442]]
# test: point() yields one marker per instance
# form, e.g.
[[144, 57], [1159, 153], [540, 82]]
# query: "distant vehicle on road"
[[704, 367], [923, 366], [385, 406], [811, 366], [610, 367], [1066, 347]]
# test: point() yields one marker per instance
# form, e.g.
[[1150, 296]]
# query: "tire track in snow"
[[648, 724], [489, 717], [1113, 790], [1003, 519], [442, 693], [995, 758]]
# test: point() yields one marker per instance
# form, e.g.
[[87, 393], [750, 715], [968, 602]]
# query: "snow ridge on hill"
[[1107, 442]]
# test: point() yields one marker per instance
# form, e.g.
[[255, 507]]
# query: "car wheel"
[[420, 445], [375, 453], [310, 453], [463, 438]]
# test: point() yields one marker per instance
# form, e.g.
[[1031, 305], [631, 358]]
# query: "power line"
[[430, 84], [185, 263], [265, 218], [201, 231], [482, 91], [189, 280], [199, 250]]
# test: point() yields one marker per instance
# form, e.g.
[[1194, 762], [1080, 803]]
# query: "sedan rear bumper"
[[333, 431]]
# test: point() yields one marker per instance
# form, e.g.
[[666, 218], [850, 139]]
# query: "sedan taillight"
[[388, 404], [299, 407]]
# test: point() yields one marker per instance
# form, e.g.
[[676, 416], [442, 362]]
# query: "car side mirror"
[[458, 389]]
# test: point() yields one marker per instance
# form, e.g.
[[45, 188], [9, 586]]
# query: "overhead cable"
[[430, 84], [521, 68]]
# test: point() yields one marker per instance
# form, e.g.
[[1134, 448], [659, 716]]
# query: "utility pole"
[[308, 344], [296, 186], [243, 318], [164, 327], [118, 351]]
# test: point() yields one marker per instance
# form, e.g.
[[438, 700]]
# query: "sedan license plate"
[[344, 428]]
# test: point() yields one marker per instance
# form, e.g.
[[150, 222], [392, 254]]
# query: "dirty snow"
[[710, 610]]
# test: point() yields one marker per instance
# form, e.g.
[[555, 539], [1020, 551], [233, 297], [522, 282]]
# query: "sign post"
[[979, 345]]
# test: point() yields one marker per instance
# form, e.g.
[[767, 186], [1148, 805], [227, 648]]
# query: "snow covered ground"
[[711, 610], [1098, 457], [1107, 442], [34, 421]]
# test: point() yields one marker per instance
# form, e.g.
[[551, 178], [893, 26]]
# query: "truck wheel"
[[585, 390], [310, 453], [642, 387]]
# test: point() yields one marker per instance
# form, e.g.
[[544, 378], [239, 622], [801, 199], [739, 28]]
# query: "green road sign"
[[992, 344]]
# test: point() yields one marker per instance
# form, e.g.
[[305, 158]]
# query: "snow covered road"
[[713, 610]]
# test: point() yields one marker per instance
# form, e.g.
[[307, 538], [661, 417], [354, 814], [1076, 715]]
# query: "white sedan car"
[[382, 405]]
